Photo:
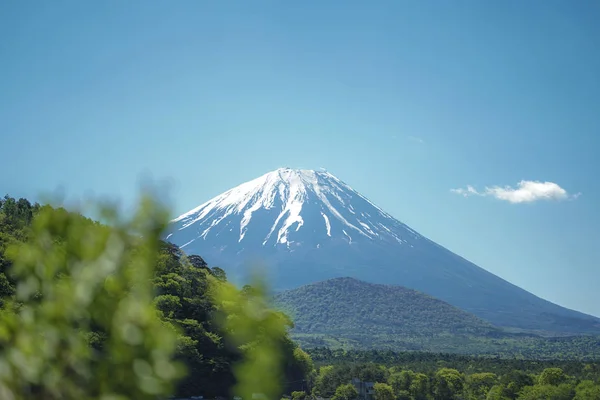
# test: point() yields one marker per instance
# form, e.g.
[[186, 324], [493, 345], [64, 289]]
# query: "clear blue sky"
[[403, 100]]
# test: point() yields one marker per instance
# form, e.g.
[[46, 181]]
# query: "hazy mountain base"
[[535, 348]]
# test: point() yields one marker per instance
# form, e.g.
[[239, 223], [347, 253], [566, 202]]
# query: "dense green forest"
[[416, 375], [430, 362], [350, 314], [425, 378], [109, 311]]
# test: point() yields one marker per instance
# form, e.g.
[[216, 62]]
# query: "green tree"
[[219, 274], [552, 376], [514, 381], [401, 380], [587, 390], [299, 395], [419, 387], [198, 262], [395, 382], [479, 384], [370, 372], [383, 391], [547, 392], [345, 392], [168, 304], [325, 382], [299, 370], [497, 392], [448, 384], [259, 332], [404, 395]]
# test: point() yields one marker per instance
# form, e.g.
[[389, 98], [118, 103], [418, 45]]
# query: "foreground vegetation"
[[110, 311]]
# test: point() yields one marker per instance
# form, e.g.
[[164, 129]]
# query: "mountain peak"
[[314, 202], [243, 193]]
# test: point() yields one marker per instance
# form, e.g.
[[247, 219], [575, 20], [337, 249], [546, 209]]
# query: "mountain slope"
[[307, 226], [345, 312], [350, 306]]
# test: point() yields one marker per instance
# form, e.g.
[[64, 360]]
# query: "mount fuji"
[[306, 226]]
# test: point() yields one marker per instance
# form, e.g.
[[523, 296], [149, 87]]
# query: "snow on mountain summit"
[[289, 207]]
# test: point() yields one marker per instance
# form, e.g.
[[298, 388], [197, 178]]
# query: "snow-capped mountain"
[[306, 226], [291, 208]]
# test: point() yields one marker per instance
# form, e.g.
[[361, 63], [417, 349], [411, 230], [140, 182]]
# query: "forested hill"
[[349, 306], [351, 314]]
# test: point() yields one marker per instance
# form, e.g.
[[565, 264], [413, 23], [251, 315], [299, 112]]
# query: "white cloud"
[[525, 192], [470, 190]]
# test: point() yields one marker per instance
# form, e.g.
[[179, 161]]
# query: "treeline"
[[68, 249], [429, 362], [527, 346], [584, 348]]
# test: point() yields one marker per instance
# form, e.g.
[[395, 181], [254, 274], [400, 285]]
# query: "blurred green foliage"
[[110, 311], [259, 332], [77, 281]]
